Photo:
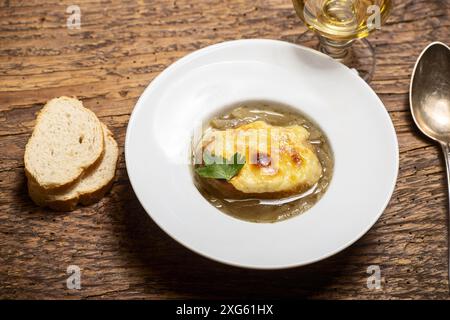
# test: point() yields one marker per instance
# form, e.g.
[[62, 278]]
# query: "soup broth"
[[254, 208]]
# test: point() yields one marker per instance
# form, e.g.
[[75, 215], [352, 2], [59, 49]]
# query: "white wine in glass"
[[340, 22]]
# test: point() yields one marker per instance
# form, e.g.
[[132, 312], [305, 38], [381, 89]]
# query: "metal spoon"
[[429, 98]]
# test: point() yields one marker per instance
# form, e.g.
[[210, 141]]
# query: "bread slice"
[[90, 188], [66, 140]]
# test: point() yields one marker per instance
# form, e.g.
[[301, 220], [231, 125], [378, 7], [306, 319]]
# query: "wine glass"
[[343, 24]]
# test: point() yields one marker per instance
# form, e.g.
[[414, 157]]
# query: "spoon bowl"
[[430, 92]]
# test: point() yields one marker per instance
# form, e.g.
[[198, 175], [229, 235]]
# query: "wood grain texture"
[[120, 48]]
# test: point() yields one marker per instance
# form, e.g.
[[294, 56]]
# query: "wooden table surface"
[[120, 47]]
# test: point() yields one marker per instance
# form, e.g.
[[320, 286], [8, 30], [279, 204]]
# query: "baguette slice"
[[66, 140], [90, 188]]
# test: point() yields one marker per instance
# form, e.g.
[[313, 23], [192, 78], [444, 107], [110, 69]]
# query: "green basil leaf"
[[219, 168]]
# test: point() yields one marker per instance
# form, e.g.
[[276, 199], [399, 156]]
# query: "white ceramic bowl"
[[195, 87]]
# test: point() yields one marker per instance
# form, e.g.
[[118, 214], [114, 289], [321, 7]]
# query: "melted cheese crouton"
[[279, 160]]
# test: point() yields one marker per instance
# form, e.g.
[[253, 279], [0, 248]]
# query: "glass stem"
[[337, 49]]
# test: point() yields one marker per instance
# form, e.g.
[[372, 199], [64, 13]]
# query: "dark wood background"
[[120, 48]]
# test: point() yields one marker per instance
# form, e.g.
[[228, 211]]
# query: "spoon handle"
[[446, 150]]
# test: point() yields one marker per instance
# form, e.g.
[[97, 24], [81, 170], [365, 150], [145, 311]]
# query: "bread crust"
[[71, 203]]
